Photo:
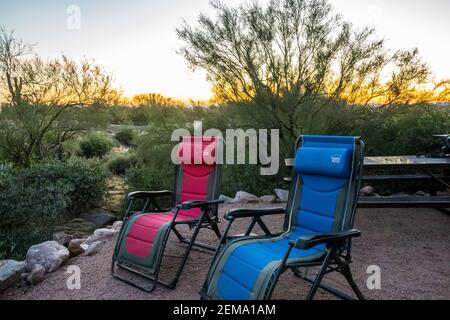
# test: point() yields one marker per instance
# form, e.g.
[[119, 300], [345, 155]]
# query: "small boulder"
[[268, 199], [99, 218], [49, 254], [10, 272], [225, 199], [367, 191], [36, 275], [93, 248], [422, 194], [244, 197], [102, 234], [75, 248], [117, 225], [62, 238], [99, 235], [282, 194]]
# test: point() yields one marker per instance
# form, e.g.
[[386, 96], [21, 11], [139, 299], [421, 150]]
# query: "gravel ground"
[[411, 246]]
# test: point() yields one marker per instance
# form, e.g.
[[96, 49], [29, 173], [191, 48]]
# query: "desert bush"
[[95, 145], [118, 164], [34, 200], [126, 136]]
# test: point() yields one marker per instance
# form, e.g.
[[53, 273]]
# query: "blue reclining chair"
[[317, 230]]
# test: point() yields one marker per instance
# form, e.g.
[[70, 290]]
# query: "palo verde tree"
[[43, 99], [292, 58]]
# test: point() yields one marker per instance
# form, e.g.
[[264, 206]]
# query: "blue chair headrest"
[[329, 162]]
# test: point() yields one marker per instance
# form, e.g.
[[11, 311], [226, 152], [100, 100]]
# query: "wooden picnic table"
[[425, 170]]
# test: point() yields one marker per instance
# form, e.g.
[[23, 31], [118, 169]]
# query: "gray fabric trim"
[[147, 263], [262, 282]]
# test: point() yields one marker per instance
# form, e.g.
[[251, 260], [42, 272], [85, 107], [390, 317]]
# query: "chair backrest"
[[199, 174], [325, 184]]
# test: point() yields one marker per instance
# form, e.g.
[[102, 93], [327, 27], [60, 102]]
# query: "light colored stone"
[[268, 199], [225, 199], [36, 275], [84, 246], [117, 225], [75, 248], [104, 233], [10, 271], [282, 194], [49, 254], [99, 235], [93, 248], [244, 197], [422, 194], [367, 191], [62, 238]]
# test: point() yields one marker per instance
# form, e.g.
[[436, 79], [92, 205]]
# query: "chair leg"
[[320, 275], [345, 270], [216, 230], [133, 283], [186, 254]]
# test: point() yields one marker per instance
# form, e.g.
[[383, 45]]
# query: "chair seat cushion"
[[143, 236], [247, 265]]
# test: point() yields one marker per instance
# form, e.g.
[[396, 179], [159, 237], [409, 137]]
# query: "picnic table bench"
[[425, 168]]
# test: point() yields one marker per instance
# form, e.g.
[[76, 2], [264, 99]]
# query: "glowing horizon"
[[137, 42]]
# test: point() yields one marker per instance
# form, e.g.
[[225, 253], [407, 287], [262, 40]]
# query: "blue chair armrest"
[[309, 241], [257, 212]]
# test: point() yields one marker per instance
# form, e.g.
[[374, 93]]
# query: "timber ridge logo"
[[336, 158]]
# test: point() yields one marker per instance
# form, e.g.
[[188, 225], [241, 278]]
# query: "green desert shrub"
[[34, 200], [118, 164], [126, 136], [95, 145]]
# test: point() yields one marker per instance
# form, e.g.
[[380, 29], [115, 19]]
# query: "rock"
[[104, 233], [117, 225], [244, 197], [93, 248], [78, 228], [84, 246], [282, 195], [225, 199], [445, 193], [99, 218], [99, 235], [367, 191], [10, 272], [36, 275], [49, 254], [268, 199], [62, 238], [422, 194], [75, 248], [401, 194]]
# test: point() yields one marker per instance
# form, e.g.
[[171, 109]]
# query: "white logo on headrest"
[[336, 158]]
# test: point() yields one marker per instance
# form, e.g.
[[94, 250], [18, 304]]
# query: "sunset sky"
[[136, 40]]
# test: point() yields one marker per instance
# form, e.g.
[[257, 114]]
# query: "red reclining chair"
[[143, 237]]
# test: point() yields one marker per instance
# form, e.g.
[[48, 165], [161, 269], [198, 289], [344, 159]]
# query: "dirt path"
[[411, 246]]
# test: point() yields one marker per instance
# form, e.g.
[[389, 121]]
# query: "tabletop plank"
[[397, 162]]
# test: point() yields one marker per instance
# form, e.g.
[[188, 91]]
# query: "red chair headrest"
[[198, 150]]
